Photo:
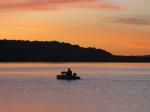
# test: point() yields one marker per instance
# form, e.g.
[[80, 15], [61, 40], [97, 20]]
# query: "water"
[[105, 87]]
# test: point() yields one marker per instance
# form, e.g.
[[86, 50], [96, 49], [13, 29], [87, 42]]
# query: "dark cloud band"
[[135, 20], [52, 4]]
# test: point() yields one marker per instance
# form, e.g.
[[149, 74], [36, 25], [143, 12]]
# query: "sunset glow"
[[119, 26]]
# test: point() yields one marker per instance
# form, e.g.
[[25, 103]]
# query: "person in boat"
[[69, 72]]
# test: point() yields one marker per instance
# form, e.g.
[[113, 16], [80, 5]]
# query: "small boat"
[[66, 77]]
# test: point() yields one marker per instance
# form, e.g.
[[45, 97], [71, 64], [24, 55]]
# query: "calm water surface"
[[105, 87]]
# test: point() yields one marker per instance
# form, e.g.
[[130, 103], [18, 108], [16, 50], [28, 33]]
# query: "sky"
[[119, 26]]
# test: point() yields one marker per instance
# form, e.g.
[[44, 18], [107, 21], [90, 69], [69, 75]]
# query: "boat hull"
[[64, 77]]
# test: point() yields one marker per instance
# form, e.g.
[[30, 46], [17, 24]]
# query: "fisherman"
[[69, 72]]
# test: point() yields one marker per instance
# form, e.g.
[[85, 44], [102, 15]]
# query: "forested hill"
[[19, 50]]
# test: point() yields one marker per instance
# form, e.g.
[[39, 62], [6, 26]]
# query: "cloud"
[[53, 4], [133, 20], [101, 5]]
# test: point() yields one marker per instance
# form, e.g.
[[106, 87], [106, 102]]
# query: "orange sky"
[[121, 27]]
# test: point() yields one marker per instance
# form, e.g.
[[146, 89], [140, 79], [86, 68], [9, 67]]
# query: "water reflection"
[[32, 87]]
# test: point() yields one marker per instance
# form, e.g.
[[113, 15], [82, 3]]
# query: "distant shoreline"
[[54, 51], [113, 59]]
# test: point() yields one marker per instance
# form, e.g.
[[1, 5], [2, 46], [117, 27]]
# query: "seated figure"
[[69, 72]]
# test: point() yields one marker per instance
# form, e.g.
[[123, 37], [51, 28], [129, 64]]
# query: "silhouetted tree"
[[20, 50]]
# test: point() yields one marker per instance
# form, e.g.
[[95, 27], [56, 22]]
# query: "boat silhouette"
[[65, 76]]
